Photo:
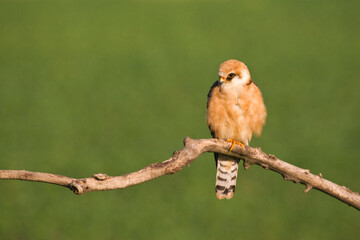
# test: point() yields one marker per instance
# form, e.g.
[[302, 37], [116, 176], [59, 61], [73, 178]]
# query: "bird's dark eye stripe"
[[230, 76]]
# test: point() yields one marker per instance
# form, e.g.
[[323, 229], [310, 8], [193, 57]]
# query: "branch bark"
[[192, 150]]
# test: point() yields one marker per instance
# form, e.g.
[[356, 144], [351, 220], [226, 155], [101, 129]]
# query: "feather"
[[226, 175]]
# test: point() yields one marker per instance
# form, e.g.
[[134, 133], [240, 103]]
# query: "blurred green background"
[[112, 86]]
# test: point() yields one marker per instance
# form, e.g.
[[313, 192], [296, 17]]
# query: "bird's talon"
[[233, 143]]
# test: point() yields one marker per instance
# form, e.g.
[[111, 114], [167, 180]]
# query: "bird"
[[235, 111]]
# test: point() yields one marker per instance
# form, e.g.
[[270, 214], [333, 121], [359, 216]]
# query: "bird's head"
[[233, 74]]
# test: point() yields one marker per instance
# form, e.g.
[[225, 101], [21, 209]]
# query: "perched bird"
[[235, 110]]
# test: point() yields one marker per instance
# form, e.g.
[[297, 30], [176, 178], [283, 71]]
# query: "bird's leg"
[[233, 144]]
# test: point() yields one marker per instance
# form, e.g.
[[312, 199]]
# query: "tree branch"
[[192, 150]]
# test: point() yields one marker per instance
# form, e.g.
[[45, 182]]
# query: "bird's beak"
[[222, 80]]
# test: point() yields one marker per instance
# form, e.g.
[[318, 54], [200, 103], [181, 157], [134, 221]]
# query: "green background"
[[112, 86]]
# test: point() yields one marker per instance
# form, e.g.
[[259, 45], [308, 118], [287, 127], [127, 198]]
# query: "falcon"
[[235, 111]]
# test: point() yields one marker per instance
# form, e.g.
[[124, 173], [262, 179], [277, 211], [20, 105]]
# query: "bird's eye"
[[230, 76]]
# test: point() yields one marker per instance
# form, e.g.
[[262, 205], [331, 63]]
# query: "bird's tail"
[[227, 168]]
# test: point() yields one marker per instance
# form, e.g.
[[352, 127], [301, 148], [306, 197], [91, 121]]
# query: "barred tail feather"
[[227, 169]]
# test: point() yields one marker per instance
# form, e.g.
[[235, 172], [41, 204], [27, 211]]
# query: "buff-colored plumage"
[[235, 111]]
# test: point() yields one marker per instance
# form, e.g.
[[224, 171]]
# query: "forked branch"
[[192, 150]]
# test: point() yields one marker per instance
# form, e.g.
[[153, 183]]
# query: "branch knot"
[[76, 187], [101, 176]]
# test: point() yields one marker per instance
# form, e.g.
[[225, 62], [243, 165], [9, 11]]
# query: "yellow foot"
[[233, 144]]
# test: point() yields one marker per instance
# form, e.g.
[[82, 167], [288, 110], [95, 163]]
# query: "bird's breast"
[[227, 118]]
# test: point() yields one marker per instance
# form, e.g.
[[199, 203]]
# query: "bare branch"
[[192, 150]]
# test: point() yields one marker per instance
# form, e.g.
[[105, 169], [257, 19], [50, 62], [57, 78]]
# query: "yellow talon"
[[233, 144]]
